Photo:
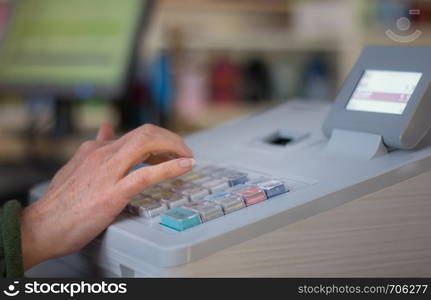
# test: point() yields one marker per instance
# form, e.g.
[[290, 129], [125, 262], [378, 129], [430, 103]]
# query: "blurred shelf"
[[264, 44], [12, 147], [217, 114], [258, 41], [268, 6], [17, 146]]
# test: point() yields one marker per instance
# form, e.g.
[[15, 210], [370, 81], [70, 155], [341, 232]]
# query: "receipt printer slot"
[[282, 138]]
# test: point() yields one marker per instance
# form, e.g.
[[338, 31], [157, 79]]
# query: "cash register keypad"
[[204, 194]]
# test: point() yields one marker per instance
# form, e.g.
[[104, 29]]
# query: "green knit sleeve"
[[11, 265]]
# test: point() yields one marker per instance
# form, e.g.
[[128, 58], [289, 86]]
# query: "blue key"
[[273, 188], [237, 178], [180, 219]]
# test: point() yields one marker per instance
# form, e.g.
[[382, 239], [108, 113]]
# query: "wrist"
[[32, 244]]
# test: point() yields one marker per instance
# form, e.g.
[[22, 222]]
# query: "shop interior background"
[[203, 63]]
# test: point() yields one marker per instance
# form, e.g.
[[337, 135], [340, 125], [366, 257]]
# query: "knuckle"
[[177, 137], [86, 146], [113, 165], [149, 129], [146, 142], [96, 156]]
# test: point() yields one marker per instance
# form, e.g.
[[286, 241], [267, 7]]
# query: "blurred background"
[[67, 66]]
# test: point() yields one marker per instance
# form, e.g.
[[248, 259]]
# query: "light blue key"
[[180, 218]]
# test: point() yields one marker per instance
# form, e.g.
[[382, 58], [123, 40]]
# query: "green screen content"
[[69, 42]]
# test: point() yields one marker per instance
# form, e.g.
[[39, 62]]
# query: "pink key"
[[252, 195]]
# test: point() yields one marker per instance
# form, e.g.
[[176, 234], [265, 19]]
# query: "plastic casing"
[[332, 172]]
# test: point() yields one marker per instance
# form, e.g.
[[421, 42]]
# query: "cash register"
[[278, 167]]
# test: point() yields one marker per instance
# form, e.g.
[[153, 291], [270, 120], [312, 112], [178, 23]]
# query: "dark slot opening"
[[280, 140]]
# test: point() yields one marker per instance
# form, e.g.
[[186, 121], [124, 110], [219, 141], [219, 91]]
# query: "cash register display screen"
[[384, 91]]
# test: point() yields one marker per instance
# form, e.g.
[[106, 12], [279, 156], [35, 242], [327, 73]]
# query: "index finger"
[[142, 144], [145, 177]]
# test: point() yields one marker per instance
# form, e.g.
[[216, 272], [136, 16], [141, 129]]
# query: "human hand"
[[88, 193]]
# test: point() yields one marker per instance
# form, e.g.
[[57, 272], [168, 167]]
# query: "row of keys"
[[222, 203], [201, 195], [192, 186]]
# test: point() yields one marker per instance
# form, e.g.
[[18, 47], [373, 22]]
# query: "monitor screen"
[[69, 43], [384, 91]]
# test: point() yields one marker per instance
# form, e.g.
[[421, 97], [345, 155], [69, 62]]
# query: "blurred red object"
[[4, 13], [225, 78], [422, 12]]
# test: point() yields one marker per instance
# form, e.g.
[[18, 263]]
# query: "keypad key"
[[180, 218], [216, 195], [147, 208], [190, 176], [195, 193], [152, 209], [202, 180], [216, 185], [138, 197], [229, 202], [172, 183], [237, 178], [175, 200], [159, 195], [152, 190], [183, 187], [273, 188], [134, 203], [238, 187], [206, 210], [252, 195]]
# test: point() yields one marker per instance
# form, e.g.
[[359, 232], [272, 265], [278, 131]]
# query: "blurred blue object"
[[388, 11], [317, 79], [161, 83]]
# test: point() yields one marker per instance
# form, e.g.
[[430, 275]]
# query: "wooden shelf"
[[267, 6], [215, 115]]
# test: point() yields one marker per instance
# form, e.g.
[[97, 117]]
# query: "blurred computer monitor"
[[71, 48]]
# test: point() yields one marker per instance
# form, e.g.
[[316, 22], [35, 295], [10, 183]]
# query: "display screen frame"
[[392, 127], [364, 73], [107, 92]]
